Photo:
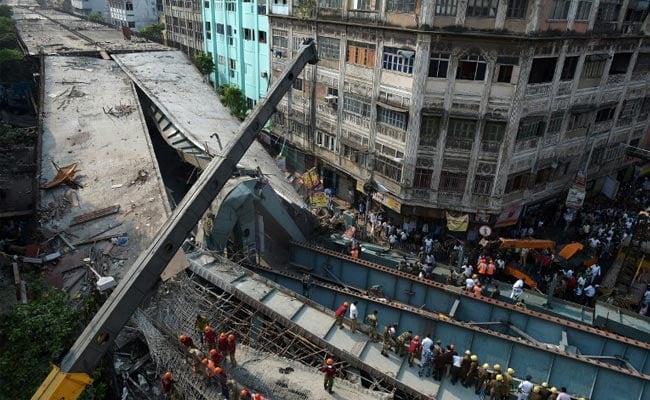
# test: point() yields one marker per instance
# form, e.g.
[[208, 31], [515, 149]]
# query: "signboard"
[[310, 179], [509, 216], [382, 198], [485, 230], [576, 196], [319, 199], [610, 187], [457, 224]]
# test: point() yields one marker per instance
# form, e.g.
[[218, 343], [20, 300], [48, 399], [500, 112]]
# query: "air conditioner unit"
[[331, 99], [406, 53], [265, 74]]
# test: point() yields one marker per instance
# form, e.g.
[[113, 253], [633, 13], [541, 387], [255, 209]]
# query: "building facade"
[[135, 14], [184, 25], [85, 7], [466, 106], [236, 34]]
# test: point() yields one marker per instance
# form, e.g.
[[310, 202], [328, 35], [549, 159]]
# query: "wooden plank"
[[93, 215], [100, 238]]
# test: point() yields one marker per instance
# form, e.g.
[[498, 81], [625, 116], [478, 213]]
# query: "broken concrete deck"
[[173, 84], [111, 151]]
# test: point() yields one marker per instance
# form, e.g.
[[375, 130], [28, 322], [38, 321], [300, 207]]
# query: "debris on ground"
[[121, 110], [63, 175]]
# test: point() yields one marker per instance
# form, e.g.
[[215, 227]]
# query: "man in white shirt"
[[517, 289], [467, 271], [590, 294], [469, 284], [354, 314], [427, 342], [563, 395], [525, 388], [428, 245]]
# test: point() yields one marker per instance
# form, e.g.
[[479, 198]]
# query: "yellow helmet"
[[511, 371], [486, 366], [474, 276], [553, 390], [474, 357], [467, 352], [544, 384], [499, 377], [536, 389], [497, 367]]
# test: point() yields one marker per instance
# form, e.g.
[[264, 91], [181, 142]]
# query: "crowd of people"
[[208, 359]]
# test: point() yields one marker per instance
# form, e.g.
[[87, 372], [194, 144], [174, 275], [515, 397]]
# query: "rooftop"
[[91, 116], [42, 29], [173, 85]]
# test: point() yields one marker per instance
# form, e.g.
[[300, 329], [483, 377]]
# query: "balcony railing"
[[391, 132], [538, 89], [490, 147], [365, 15], [602, 126], [564, 88], [459, 144], [605, 27], [523, 145], [613, 80]]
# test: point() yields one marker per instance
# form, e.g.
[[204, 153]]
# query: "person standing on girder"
[[232, 346], [330, 372], [199, 326], [340, 313], [372, 323], [222, 344], [210, 337], [168, 385], [388, 339], [354, 316]]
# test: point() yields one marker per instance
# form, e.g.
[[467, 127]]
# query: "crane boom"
[[142, 279]]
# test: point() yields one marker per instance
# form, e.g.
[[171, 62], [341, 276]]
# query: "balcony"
[[552, 139], [459, 144], [363, 15], [450, 198], [564, 88], [605, 27], [421, 194], [538, 89], [481, 200], [615, 80], [602, 126], [356, 119], [525, 145], [632, 27], [490, 147], [397, 134]]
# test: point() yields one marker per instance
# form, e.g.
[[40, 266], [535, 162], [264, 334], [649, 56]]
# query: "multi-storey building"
[[85, 7], [236, 35], [184, 25], [470, 106], [135, 14]]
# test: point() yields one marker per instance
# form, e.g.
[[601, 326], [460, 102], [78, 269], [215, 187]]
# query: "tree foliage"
[[5, 11], [7, 32], [204, 63], [233, 98], [95, 17], [153, 32]]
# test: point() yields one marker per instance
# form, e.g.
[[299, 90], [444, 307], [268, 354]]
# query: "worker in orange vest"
[[491, 270], [168, 385], [210, 373], [330, 373], [186, 341], [210, 337], [245, 395], [478, 289], [482, 269], [340, 312], [222, 344], [216, 357], [258, 396], [232, 345]]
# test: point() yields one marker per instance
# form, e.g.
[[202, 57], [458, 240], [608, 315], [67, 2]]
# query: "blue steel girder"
[[581, 374], [543, 328]]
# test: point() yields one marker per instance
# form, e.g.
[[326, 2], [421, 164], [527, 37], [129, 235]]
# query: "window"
[[608, 11], [517, 8], [472, 68], [584, 10], [569, 68], [231, 6], [363, 5], [400, 6], [361, 54], [620, 63], [220, 29], [555, 122], [605, 114], [542, 70], [388, 167], [332, 92], [482, 8], [221, 60], [594, 66], [438, 65], [208, 30], [482, 184], [494, 131], [326, 140], [356, 105], [333, 4], [250, 103], [642, 63], [280, 2], [429, 131], [232, 64], [397, 60], [131, 24], [462, 128], [517, 182], [629, 111], [261, 36], [530, 127], [392, 118], [579, 121], [129, 6], [297, 84], [206, 4], [645, 109], [452, 182], [446, 7], [356, 156], [280, 39], [329, 48], [422, 178], [505, 73], [560, 9], [249, 34]]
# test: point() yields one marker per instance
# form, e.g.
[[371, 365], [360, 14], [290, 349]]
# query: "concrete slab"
[[282, 303], [252, 287], [409, 376], [110, 152], [371, 355], [448, 391], [173, 84], [344, 339], [314, 321]]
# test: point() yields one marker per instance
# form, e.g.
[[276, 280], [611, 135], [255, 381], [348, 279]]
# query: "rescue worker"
[[471, 371], [426, 363], [464, 365], [414, 348], [401, 341], [330, 372], [340, 313], [448, 359], [196, 356], [508, 377], [232, 346], [186, 341], [544, 391], [372, 324], [233, 392], [455, 368], [199, 326], [491, 270], [306, 285], [439, 364], [222, 344], [210, 337], [222, 379], [498, 389], [497, 371], [477, 289], [168, 385], [482, 269], [210, 373], [553, 395], [216, 357], [482, 377], [354, 316], [536, 395], [388, 339], [245, 395]]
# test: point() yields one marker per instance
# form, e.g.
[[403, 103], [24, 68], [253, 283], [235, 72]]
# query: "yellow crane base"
[[61, 385]]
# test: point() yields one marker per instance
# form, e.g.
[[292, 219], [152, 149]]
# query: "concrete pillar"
[[593, 13], [619, 107], [427, 11], [571, 17], [502, 10], [621, 14], [460, 13], [535, 16]]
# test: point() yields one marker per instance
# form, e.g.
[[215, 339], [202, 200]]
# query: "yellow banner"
[[457, 224], [310, 179], [319, 199]]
